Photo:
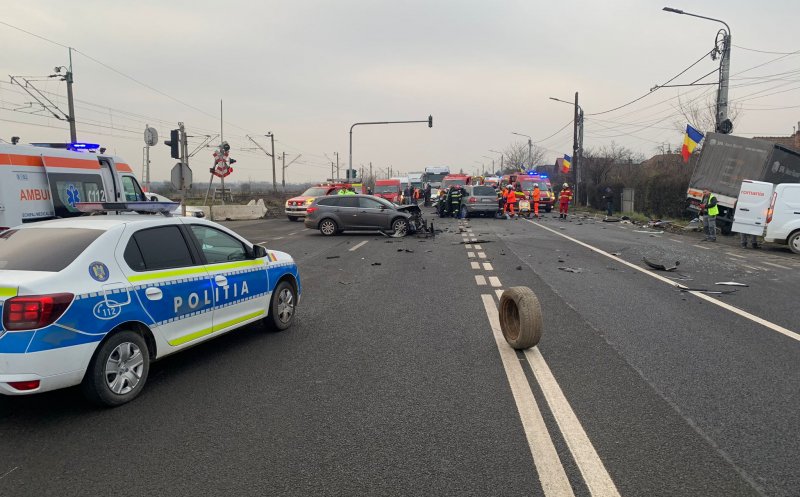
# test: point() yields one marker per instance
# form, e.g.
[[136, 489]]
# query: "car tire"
[[328, 227], [400, 226], [794, 242], [118, 370], [520, 317], [548, 208], [293, 218], [282, 307]]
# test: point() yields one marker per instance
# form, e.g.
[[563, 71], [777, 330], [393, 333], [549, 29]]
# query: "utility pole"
[[576, 146], [272, 143], [371, 178], [73, 133], [337, 165], [221, 141], [283, 171], [184, 152]]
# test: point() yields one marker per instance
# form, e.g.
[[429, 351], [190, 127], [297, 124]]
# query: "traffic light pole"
[[350, 163], [184, 160]]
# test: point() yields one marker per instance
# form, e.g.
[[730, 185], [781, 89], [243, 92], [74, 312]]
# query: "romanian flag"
[[690, 142], [566, 164]]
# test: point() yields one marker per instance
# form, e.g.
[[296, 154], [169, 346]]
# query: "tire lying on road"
[[520, 317]]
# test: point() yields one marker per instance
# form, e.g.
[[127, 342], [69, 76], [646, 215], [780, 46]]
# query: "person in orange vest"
[[564, 198], [511, 199], [536, 195]]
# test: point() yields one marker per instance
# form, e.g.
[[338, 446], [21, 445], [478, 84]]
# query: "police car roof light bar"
[[165, 208]]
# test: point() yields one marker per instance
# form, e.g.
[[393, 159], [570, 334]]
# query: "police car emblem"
[[98, 271]]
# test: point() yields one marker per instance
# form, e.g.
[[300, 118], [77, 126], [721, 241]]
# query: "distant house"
[[788, 141]]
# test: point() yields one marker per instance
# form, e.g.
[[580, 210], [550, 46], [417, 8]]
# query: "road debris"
[[706, 291], [571, 269], [661, 267], [730, 283], [344, 282], [611, 219], [519, 268], [332, 257], [409, 251], [649, 232], [375, 264]]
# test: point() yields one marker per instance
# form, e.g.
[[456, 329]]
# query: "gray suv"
[[337, 213], [479, 200]]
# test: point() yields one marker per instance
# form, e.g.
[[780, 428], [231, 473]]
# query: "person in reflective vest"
[[455, 201], [536, 195], [511, 199], [709, 211], [564, 198]]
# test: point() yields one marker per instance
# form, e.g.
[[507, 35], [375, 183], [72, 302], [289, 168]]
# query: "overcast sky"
[[307, 70]]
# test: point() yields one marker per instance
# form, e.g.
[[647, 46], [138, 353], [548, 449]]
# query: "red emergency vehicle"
[[526, 181], [389, 189]]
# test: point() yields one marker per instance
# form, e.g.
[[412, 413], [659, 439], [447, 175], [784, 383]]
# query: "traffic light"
[[174, 143], [430, 121]]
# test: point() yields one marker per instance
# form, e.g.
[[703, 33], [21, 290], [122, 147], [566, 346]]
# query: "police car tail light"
[[34, 311]]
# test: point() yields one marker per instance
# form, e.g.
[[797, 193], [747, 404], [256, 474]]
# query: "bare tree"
[[516, 157], [702, 115], [598, 163]]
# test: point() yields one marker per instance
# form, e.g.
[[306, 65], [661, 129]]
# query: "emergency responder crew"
[[564, 198], [456, 194], [427, 195], [536, 195], [501, 200], [416, 195], [442, 203], [511, 199], [709, 211], [342, 191]]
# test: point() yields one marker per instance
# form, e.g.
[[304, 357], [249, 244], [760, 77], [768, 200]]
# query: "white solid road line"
[[495, 281], [480, 279], [278, 238], [545, 457], [292, 233], [676, 241], [592, 468], [488, 266], [353, 249], [752, 317], [755, 268], [475, 264], [774, 265]]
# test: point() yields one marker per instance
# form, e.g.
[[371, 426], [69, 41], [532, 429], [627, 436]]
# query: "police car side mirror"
[[259, 251]]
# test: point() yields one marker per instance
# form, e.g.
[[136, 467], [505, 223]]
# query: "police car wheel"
[[328, 227], [520, 317], [118, 370], [282, 307]]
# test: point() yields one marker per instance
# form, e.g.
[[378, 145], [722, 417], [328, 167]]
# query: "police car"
[[93, 300]]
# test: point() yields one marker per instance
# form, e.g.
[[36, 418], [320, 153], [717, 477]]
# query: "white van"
[[39, 183], [771, 211]]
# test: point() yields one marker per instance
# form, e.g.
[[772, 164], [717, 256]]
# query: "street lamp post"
[[350, 163], [501, 160], [577, 141], [723, 124], [530, 146]]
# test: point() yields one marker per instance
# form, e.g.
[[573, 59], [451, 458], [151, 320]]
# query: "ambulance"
[[43, 182]]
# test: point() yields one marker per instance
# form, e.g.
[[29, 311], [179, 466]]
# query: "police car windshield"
[[43, 249]]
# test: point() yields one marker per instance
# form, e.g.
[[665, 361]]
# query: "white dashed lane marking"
[[774, 265], [482, 255], [735, 255], [701, 247], [495, 281], [471, 255], [480, 279], [499, 293], [475, 264], [478, 247], [488, 266], [467, 246], [353, 249]]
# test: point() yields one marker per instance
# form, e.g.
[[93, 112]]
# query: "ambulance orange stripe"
[[121, 166], [36, 161]]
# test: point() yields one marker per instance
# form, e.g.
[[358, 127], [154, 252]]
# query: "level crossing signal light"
[[174, 144], [430, 121]]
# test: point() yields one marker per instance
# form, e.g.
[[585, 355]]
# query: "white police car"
[[93, 300]]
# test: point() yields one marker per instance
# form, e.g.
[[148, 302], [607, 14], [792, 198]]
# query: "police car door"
[[239, 280], [168, 277]]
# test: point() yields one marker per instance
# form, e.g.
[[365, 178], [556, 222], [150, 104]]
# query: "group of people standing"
[[412, 195], [508, 197]]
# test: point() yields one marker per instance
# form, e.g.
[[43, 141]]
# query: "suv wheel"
[[328, 227]]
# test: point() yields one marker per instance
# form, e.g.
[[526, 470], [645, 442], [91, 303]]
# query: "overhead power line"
[[766, 51]]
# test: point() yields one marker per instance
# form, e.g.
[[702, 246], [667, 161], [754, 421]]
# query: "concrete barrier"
[[237, 212]]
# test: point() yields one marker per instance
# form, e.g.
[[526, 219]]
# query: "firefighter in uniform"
[[564, 198], [536, 195], [455, 201]]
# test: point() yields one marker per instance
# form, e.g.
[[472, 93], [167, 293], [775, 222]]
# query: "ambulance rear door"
[[751, 207], [110, 179]]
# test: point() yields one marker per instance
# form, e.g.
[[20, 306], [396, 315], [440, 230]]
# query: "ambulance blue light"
[[80, 146]]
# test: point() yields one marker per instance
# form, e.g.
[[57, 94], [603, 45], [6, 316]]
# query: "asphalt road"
[[393, 382]]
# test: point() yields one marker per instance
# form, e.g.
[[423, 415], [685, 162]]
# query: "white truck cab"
[[38, 183], [769, 210]]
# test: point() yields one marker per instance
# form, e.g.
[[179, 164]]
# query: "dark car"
[[337, 213], [480, 200]]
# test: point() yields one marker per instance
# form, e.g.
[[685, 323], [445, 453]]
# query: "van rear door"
[[785, 212], [751, 208]]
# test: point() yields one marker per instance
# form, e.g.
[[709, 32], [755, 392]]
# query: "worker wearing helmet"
[[536, 195], [564, 198], [511, 199]]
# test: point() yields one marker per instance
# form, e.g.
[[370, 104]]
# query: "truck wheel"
[[794, 242], [281, 307], [520, 317], [118, 370], [328, 227]]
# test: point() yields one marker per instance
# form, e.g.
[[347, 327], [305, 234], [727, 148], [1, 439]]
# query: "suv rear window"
[[483, 191], [43, 249]]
